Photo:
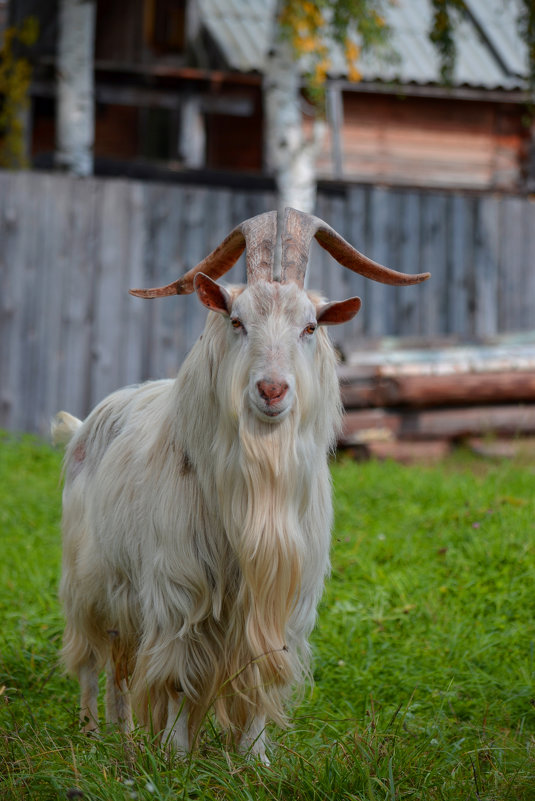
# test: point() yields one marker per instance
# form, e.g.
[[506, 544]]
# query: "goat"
[[197, 511]]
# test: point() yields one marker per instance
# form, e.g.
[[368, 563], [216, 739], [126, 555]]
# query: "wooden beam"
[[516, 96], [474, 421], [382, 425], [440, 390]]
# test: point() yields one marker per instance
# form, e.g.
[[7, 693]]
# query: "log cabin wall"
[[426, 141]]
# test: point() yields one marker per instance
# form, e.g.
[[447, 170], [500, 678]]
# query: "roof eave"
[[463, 92]]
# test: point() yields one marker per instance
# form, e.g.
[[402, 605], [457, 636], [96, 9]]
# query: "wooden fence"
[[70, 249]]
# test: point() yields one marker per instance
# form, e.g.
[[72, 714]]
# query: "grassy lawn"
[[424, 650]]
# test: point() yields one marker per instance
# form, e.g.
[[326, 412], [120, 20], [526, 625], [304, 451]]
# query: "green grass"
[[424, 650]]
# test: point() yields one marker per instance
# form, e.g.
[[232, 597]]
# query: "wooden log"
[[362, 393], [462, 422], [441, 390], [390, 358], [503, 448], [472, 388], [429, 451], [369, 425]]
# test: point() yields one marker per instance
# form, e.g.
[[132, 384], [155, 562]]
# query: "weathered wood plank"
[[428, 451], [240, 211], [433, 295], [108, 371], [25, 344], [9, 296], [371, 425], [195, 249], [337, 276], [529, 265], [377, 316], [512, 313], [356, 218], [55, 221], [77, 253], [440, 390], [135, 317], [460, 285], [486, 238], [511, 420], [409, 308], [320, 272], [167, 261]]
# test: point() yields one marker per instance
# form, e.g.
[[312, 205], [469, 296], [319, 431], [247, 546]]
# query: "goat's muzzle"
[[272, 392], [271, 398]]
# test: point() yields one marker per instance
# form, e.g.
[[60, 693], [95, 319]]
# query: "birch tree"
[[75, 87], [302, 35]]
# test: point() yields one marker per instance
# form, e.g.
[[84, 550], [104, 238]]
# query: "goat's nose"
[[272, 391]]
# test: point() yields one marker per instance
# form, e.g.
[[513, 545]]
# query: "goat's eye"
[[237, 324], [309, 330]]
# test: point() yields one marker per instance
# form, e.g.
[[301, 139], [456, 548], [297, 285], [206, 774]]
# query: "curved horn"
[[299, 228], [258, 234]]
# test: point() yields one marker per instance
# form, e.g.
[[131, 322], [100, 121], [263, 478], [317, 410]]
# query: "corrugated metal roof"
[[241, 28], [490, 52]]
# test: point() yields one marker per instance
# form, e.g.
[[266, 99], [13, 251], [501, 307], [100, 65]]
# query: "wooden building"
[[178, 87]]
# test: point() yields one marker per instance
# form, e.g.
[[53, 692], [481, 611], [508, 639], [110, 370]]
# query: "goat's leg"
[[253, 739], [118, 709], [88, 678], [175, 735]]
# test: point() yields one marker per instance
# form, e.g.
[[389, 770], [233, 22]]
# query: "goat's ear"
[[338, 312], [212, 295]]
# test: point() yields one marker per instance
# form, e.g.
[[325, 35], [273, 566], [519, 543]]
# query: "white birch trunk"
[[289, 155], [75, 87]]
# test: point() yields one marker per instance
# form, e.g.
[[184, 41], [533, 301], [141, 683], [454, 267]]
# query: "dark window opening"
[[165, 26]]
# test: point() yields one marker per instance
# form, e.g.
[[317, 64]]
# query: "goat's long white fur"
[[196, 534]]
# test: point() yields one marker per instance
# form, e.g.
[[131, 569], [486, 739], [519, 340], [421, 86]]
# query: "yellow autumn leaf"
[[307, 44], [314, 14], [353, 73], [352, 50], [378, 19], [320, 70]]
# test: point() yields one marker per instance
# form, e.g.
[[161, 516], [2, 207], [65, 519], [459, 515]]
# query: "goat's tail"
[[63, 428]]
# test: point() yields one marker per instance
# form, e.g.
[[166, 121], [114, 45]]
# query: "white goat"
[[197, 512]]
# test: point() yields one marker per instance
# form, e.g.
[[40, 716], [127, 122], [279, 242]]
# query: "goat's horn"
[[258, 234], [299, 228], [261, 236]]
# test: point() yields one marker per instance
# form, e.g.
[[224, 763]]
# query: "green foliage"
[[442, 33], [526, 26], [314, 25], [424, 651], [15, 78], [359, 25]]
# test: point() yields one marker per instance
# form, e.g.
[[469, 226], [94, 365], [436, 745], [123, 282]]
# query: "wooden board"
[[440, 390], [385, 425]]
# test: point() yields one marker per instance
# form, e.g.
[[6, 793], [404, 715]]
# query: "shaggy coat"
[[196, 525]]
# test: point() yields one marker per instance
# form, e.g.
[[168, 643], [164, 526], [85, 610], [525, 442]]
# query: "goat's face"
[[272, 332], [272, 327]]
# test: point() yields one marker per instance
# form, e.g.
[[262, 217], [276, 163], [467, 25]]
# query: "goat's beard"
[[261, 515], [272, 494]]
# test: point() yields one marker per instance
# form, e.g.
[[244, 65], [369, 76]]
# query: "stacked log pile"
[[406, 404]]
